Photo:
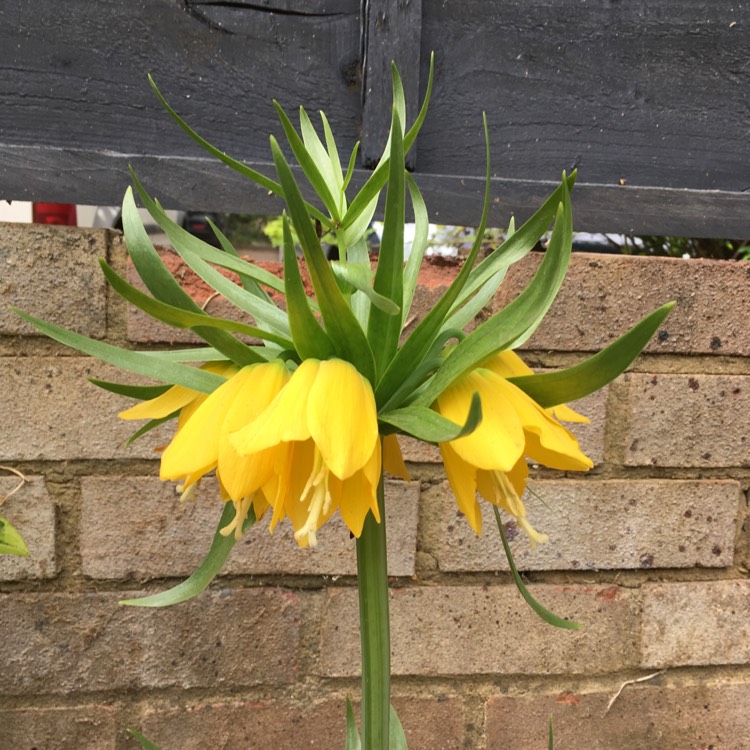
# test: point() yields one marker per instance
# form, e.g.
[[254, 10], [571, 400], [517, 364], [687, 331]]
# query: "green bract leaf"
[[142, 392], [221, 546], [429, 426], [197, 354], [11, 542], [149, 364], [360, 277], [384, 328], [180, 318], [340, 323], [418, 246], [545, 614], [353, 742], [396, 738], [145, 743], [150, 425], [310, 340], [560, 387]]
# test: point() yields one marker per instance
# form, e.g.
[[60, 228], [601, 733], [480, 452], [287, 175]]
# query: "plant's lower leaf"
[[545, 614], [426, 424], [221, 546], [11, 542], [141, 363], [144, 742], [142, 392], [560, 387], [150, 425], [353, 742], [551, 744], [396, 736]]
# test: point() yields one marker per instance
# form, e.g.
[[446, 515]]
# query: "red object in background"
[[54, 213]]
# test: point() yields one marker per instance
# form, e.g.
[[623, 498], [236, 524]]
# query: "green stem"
[[372, 576]]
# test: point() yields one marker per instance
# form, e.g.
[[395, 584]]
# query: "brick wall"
[[650, 550]]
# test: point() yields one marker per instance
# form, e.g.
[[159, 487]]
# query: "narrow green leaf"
[[418, 246], [142, 392], [307, 162], [197, 354], [360, 277], [426, 424], [560, 387], [353, 742], [350, 167], [315, 148], [333, 155], [150, 425], [221, 546], [396, 738], [141, 363], [11, 542], [545, 614], [145, 743], [551, 743], [237, 166], [180, 318], [464, 315], [340, 323], [384, 329], [310, 340]]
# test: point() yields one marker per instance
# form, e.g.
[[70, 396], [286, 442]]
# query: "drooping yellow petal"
[[342, 417], [462, 477], [356, 496], [507, 364], [566, 414], [393, 459], [284, 420], [498, 441]]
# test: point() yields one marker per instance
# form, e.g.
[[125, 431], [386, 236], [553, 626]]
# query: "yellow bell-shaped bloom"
[[322, 434], [491, 460]]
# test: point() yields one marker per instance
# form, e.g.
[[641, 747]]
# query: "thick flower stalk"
[[298, 413]]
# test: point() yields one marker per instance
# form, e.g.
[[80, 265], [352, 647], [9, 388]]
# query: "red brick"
[[173, 537], [696, 623], [638, 524], [603, 295], [454, 630], [52, 273], [429, 724], [61, 643], [90, 727], [57, 415], [687, 420], [656, 714], [32, 511]]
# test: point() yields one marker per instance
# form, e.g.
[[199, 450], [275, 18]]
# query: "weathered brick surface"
[[490, 630], [658, 714], [90, 727], [62, 643], [55, 414], [596, 524], [35, 259], [173, 537], [688, 420], [696, 623], [32, 511], [429, 724], [603, 295]]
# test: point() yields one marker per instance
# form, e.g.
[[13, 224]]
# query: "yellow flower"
[[491, 460], [322, 432]]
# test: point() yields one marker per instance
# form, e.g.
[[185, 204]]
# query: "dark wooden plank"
[[391, 33], [206, 184]]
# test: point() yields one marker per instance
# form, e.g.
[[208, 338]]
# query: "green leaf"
[[145, 743], [517, 320], [396, 736], [307, 162], [560, 387], [430, 426], [237, 166], [221, 546], [383, 328], [340, 323], [142, 392], [160, 282], [353, 742], [180, 318], [351, 165], [330, 172], [551, 744], [142, 363], [360, 277], [196, 354], [150, 425], [11, 542], [310, 340], [418, 246], [545, 614]]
